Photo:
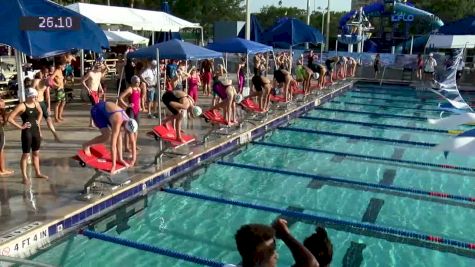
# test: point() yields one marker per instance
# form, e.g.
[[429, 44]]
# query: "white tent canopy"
[[124, 38], [451, 41], [138, 19]]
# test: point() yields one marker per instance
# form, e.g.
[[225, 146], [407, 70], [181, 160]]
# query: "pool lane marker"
[[344, 154], [390, 100], [372, 211], [406, 190], [150, 248], [374, 114], [382, 125], [383, 106], [305, 216], [388, 177], [358, 137]]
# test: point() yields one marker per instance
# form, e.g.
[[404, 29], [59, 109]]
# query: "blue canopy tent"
[[256, 30], [465, 26], [173, 49], [160, 37], [239, 45], [289, 32], [42, 28]]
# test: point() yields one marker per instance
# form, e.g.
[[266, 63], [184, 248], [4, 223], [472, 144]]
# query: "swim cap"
[[31, 92], [238, 98], [135, 79], [197, 111], [131, 126], [316, 75]]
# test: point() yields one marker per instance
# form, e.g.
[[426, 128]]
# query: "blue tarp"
[[239, 45], [161, 37], [256, 30], [175, 49], [46, 43], [465, 26], [290, 32]]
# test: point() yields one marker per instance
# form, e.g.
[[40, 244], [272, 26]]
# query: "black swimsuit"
[[30, 137], [169, 97], [279, 76]]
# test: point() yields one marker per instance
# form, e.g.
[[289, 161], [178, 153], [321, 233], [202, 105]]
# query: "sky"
[[335, 5]]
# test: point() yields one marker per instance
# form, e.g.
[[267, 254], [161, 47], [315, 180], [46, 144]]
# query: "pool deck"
[[32, 216]]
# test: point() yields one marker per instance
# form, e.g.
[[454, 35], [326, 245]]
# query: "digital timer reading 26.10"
[[45, 23]]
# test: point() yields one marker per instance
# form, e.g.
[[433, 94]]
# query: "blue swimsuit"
[[100, 115]]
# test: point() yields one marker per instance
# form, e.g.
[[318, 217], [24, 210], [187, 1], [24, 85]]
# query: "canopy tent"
[[465, 26], [289, 32], [175, 49], [124, 38], [42, 28], [451, 41], [256, 30], [43, 43], [238, 45], [137, 19]]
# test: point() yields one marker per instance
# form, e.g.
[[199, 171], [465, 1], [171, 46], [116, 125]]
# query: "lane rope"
[[344, 154], [305, 216], [381, 125], [352, 181], [149, 248], [376, 114], [358, 137]]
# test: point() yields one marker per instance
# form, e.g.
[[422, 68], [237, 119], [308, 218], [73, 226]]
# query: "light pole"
[[308, 19], [248, 20], [328, 27]]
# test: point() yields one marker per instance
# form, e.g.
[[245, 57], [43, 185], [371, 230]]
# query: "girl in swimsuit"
[[283, 77], [304, 75], [226, 91], [44, 100], [261, 88], [241, 74], [31, 114], [178, 102], [220, 71], [110, 119], [193, 83], [132, 107]]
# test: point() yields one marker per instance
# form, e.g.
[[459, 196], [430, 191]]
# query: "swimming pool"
[[359, 164]]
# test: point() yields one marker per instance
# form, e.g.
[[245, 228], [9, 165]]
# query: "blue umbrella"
[[165, 7], [41, 28], [289, 32], [175, 49], [239, 45], [256, 30]]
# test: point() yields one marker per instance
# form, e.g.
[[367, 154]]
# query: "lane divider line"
[[346, 181], [358, 137], [149, 248], [305, 216], [383, 115], [397, 100], [381, 125], [344, 154], [384, 106]]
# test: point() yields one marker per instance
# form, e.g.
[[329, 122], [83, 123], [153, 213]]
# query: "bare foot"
[[26, 181], [180, 139], [41, 176], [87, 150], [56, 137], [56, 120], [7, 172], [125, 163]]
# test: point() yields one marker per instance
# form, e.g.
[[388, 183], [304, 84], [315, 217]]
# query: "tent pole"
[[153, 37], [82, 62], [267, 63], [202, 36], [158, 88], [247, 71], [20, 76], [291, 61], [226, 64], [412, 44], [120, 79], [336, 47]]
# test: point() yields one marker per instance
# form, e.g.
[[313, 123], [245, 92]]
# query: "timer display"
[[45, 23]]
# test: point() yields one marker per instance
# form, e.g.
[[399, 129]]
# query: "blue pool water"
[[206, 228]]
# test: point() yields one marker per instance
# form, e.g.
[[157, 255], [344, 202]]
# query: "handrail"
[[382, 76], [23, 261]]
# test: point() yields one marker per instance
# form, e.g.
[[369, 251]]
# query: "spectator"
[[320, 246], [257, 247], [429, 67]]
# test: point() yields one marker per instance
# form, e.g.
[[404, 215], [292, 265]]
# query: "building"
[[358, 3]]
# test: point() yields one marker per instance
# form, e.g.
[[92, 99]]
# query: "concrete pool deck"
[[26, 211]]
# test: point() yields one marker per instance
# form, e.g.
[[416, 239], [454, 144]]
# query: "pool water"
[[206, 228]]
